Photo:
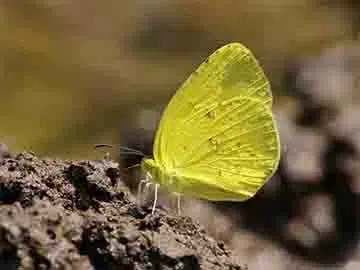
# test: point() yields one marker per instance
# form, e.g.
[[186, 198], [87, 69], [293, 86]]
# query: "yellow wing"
[[217, 134]]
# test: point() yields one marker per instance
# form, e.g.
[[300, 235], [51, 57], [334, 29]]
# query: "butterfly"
[[217, 138]]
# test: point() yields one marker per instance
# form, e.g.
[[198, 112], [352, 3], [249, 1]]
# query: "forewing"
[[219, 127]]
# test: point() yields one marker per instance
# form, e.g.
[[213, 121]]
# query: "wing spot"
[[214, 143], [211, 114]]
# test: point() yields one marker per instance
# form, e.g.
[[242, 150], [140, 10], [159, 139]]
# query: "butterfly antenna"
[[128, 150], [123, 149], [132, 166], [101, 145]]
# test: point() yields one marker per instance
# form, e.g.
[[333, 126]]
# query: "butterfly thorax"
[[159, 175]]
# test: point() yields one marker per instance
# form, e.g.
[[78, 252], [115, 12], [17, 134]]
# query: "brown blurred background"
[[77, 73]]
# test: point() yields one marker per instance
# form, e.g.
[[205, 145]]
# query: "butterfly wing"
[[217, 134]]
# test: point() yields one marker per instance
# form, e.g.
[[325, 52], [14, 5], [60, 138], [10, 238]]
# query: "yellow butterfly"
[[217, 139]]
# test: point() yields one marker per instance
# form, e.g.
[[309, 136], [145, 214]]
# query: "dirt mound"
[[57, 214]]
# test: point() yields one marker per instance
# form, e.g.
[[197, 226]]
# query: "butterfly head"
[[150, 167], [157, 173]]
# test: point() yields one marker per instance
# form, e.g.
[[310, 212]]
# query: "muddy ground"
[[57, 214]]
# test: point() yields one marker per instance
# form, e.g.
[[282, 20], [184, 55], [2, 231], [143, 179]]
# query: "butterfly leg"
[[178, 201], [155, 198], [142, 187], [146, 189], [141, 183], [178, 195]]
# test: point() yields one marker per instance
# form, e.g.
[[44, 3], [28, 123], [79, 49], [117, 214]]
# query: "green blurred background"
[[76, 73]]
